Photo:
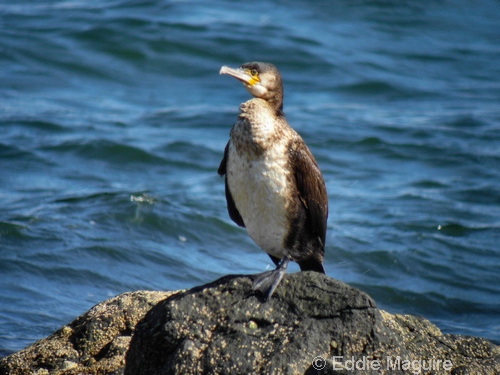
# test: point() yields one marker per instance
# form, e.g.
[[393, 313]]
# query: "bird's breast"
[[261, 186]]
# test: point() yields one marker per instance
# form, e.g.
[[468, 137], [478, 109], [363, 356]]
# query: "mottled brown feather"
[[309, 230], [311, 188]]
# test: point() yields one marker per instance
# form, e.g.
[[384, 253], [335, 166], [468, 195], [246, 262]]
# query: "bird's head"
[[262, 80]]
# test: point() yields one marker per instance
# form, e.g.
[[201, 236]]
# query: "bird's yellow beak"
[[243, 75]]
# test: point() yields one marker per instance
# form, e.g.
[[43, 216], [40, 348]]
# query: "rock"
[[222, 328], [311, 321], [94, 343]]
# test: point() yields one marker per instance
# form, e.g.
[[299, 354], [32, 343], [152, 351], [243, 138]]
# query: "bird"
[[273, 185]]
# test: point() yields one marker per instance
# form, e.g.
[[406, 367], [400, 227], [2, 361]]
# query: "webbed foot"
[[266, 282]]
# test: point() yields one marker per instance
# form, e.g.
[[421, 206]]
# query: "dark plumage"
[[273, 184]]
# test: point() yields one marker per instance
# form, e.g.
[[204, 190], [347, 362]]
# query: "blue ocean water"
[[113, 119]]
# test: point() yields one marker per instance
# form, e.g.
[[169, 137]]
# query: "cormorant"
[[273, 185]]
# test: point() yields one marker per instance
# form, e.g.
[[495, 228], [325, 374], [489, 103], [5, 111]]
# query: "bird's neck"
[[259, 126], [277, 105], [258, 110]]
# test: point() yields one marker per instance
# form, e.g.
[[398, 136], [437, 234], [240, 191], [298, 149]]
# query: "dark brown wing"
[[311, 189], [231, 207], [222, 166]]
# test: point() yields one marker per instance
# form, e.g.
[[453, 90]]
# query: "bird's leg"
[[267, 282]]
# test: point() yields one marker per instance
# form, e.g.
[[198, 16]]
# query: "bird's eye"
[[254, 72]]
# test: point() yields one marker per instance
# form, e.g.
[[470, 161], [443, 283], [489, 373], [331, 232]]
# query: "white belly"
[[259, 186]]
